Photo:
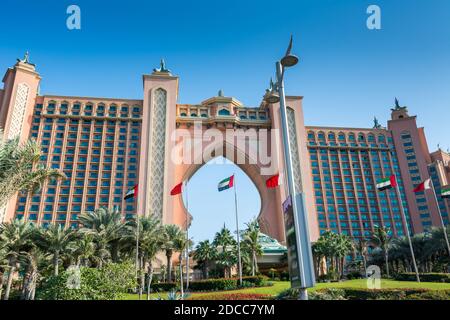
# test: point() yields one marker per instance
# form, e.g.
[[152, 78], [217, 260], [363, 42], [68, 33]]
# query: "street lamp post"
[[300, 217]]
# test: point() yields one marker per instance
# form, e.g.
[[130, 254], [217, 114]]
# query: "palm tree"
[[151, 238], [55, 240], [3, 267], [171, 234], [108, 228], [381, 238], [360, 246], [16, 240], [224, 241], [204, 253], [251, 241], [83, 250], [34, 262], [20, 169]]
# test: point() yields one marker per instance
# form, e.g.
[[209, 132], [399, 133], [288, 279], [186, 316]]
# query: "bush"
[[214, 284], [424, 277], [232, 296], [165, 286], [367, 294], [108, 283], [354, 275]]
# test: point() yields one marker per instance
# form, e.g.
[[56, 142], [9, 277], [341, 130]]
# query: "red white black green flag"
[[132, 193], [445, 192], [387, 183]]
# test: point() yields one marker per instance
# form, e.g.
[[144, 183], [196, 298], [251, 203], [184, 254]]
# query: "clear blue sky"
[[347, 73]]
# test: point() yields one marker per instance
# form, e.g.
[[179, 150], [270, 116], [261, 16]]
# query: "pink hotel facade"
[[107, 145]]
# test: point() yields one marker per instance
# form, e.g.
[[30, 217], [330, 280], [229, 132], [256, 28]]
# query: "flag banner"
[[132, 193], [274, 181], [226, 183], [387, 183], [426, 185], [177, 189], [445, 192]]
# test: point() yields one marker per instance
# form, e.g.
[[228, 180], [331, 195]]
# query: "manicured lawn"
[[279, 286]]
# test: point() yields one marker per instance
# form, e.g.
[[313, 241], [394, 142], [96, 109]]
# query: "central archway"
[[159, 173], [211, 209], [269, 215]]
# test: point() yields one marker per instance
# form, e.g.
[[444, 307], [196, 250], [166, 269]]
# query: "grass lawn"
[[279, 286]]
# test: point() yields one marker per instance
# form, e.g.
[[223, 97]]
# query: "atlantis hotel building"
[[107, 145]]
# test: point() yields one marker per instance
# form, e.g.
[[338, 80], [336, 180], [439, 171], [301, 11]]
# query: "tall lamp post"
[[303, 254]]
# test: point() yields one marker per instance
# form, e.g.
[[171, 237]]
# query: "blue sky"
[[347, 73]]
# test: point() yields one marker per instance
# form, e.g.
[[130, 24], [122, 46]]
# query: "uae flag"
[[273, 181], [423, 186], [445, 192], [177, 189], [132, 193], [226, 183], [387, 183]]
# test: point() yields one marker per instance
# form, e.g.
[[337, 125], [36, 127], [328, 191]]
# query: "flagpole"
[[137, 255], [440, 216], [237, 230], [405, 223], [187, 236]]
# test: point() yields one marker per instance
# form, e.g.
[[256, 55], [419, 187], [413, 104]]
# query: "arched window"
[[224, 112], [331, 136], [321, 135]]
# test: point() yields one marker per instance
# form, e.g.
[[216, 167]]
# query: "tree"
[[16, 240], [171, 234], [204, 253], [251, 241], [224, 242], [34, 262], [360, 246], [108, 228], [151, 239], [20, 169], [83, 250], [381, 238], [55, 240]]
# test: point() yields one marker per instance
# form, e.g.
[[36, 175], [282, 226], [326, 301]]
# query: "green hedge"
[[213, 284], [108, 283], [367, 294], [425, 277]]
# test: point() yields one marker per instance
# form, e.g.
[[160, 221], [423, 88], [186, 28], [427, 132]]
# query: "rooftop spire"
[[376, 123], [162, 67]]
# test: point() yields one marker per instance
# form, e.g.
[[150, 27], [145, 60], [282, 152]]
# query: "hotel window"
[[224, 112]]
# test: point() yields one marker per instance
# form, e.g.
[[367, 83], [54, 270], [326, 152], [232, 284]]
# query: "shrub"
[[108, 283], [367, 294], [424, 277], [213, 284], [227, 283], [232, 296], [165, 286]]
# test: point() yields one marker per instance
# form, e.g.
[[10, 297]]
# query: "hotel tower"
[[105, 146]]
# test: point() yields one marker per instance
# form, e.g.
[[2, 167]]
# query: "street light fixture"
[[301, 256]]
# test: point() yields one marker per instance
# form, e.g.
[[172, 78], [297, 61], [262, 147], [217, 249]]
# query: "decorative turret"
[[399, 112], [162, 69]]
